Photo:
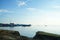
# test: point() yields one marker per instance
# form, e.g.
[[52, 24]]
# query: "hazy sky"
[[30, 11]]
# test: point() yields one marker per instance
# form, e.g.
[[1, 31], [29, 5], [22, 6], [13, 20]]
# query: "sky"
[[37, 12]]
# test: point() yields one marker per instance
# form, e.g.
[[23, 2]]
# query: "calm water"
[[31, 31]]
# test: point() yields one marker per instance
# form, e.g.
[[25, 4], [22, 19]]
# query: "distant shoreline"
[[13, 25]]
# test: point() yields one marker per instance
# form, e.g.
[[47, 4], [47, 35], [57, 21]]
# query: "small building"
[[11, 24]]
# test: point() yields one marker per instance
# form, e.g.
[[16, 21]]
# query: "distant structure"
[[12, 25]]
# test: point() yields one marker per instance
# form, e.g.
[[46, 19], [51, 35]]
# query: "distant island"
[[12, 25]]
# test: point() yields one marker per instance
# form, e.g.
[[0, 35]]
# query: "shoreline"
[[15, 35]]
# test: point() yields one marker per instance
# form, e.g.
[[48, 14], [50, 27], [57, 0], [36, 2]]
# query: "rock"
[[11, 35], [46, 36], [15, 35]]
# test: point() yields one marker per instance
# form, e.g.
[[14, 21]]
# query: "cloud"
[[31, 9], [56, 6], [21, 3], [35, 10], [4, 10]]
